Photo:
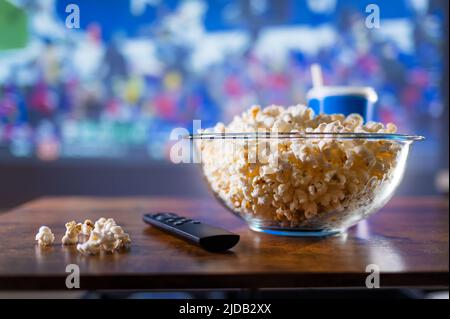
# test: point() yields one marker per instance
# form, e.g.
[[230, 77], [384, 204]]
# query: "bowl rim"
[[305, 135]]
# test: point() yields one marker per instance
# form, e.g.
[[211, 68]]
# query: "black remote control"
[[208, 237]]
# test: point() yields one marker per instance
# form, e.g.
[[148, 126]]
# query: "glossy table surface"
[[407, 240]]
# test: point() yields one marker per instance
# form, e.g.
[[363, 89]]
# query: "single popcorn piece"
[[95, 236], [93, 245], [108, 224], [45, 237], [108, 241], [103, 224], [299, 179], [87, 227], [121, 238], [98, 226], [72, 231], [89, 248]]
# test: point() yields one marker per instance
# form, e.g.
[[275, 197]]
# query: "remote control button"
[[162, 216], [195, 222], [178, 223], [182, 221]]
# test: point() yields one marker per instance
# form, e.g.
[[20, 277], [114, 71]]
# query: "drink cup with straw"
[[340, 99]]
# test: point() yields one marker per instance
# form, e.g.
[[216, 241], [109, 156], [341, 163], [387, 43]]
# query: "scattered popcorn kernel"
[[121, 238], [87, 227], [105, 235], [116, 230], [108, 224], [98, 226], [89, 248], [108, 242], [95, 236], [72, 231], [45, 236]]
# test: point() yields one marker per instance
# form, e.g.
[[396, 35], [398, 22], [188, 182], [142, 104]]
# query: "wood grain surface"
[[408, 240]]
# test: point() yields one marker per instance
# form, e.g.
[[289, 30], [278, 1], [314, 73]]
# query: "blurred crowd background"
[[135, 69]]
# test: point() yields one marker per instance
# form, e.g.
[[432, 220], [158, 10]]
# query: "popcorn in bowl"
[[285, 169]]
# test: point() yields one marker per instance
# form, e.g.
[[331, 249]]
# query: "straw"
[[316, 74]]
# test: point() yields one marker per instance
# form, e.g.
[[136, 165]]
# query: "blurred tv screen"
[[135, 69]]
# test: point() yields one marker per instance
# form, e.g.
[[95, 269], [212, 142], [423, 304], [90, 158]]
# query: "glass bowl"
[[302, 184]]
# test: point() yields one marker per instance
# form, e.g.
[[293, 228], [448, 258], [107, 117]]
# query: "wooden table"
[[408, 240]]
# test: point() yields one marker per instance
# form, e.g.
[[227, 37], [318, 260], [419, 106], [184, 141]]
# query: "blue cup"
[[343, 99]]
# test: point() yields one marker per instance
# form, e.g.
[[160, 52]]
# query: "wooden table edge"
[[225, 281]]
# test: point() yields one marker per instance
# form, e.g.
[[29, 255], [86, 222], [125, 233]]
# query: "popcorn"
[[95, 236], [71, 235], [302, 178], [106, 236], [89, 247], [45, 236], [87, 227], [98, 226], [103, 235], [103, 224], [121, 238], [108, 224], [108, 241]]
